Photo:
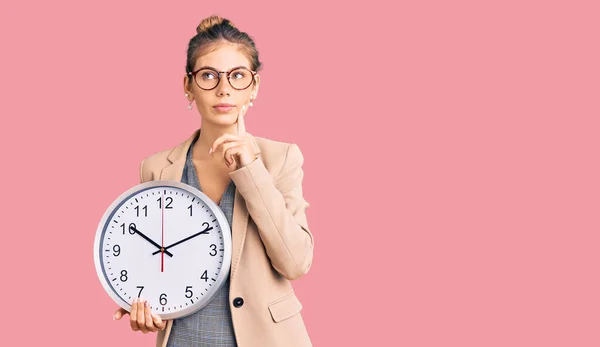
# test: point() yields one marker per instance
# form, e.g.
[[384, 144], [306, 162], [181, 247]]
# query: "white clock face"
[[165, 242]]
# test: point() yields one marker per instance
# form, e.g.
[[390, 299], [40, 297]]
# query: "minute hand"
[[205, 231]]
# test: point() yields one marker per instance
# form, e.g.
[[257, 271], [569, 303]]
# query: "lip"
[[223, 107]]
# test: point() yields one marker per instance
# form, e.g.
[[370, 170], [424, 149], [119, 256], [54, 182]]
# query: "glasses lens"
[[207, 79], [240, 78]]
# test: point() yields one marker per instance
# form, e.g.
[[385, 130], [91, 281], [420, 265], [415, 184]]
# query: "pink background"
[[451, 160]]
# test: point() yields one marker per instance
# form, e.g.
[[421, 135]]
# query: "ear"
[[255, 87], [188, 88]]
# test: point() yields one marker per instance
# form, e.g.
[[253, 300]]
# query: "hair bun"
[[210, 22]]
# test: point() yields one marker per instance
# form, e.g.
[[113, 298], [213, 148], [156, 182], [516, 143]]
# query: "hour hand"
[[131, 227]]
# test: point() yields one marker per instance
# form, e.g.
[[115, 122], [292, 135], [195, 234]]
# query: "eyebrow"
[[214, 68]]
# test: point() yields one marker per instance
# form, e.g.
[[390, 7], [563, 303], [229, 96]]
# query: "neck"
[[208, 135]]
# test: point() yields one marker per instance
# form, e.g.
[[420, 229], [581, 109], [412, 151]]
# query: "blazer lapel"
[[174, 171], [239, 224]]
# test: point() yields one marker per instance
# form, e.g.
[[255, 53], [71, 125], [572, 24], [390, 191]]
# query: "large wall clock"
[[166, 242]]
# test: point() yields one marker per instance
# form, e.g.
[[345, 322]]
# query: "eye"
[[238, 75], [208, 75]]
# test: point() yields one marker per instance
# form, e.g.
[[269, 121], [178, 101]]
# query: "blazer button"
[[238, 302]]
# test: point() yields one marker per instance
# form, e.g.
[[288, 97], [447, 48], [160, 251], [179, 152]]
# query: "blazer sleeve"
[[279, 211]]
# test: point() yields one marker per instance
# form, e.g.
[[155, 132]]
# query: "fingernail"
[[210, 151]]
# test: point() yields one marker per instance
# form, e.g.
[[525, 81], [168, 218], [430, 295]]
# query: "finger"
[[149, 322], [158, 322], [226, 147], [119, 313], [224, 138], [133, 316], [240, 121], [141, 318], [230, 154]]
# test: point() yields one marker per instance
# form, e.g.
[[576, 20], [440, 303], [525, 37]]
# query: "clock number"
[[163, 296], [190, 208], [168, 199], [145, 208], [123, 275], [117, 250], [130, 231], [187, 290], [140, 288], [204, 276], [214, 248]]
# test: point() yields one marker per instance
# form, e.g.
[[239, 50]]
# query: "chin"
[[224, 119]]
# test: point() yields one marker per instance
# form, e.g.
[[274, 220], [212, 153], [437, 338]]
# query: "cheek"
[[201, 100], [244, 97]]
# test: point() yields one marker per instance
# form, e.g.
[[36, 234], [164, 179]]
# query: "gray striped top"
[[210, 326]]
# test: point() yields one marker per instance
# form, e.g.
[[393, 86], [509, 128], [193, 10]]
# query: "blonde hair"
[[215, 30], [211, 21]]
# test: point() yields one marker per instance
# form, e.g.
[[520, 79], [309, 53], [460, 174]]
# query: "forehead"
[[223, 57]]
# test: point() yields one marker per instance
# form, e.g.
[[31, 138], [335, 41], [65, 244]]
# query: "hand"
[[141, 317], [238, 150], [149, 240], [205, 231]]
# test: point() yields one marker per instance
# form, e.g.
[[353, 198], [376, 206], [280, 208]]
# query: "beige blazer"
[[272, 244]]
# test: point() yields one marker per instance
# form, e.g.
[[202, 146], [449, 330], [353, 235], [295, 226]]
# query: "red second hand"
[[162, 240]]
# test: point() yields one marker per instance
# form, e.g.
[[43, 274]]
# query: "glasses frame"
[[219, 73]]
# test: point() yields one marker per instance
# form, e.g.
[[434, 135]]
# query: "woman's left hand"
[[238, 150]]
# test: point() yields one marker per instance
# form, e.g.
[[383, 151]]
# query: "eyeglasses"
[[207, 78]]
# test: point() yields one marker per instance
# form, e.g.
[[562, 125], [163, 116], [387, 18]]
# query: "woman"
[[258, 183]]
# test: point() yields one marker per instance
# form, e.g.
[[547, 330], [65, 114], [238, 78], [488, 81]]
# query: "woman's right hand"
[[141, 317]]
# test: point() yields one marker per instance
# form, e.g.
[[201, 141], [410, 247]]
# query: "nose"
[[223, 87]]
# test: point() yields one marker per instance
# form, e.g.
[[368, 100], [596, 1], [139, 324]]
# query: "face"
[[224, 58]]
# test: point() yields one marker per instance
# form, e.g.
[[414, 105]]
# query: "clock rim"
[[227, 245]]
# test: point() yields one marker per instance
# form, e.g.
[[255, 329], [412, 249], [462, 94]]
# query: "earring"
[[251, 104], [186, 95], [190, 105]]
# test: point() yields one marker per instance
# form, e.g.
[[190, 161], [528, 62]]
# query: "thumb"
[[158, 321], [119, 314]]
